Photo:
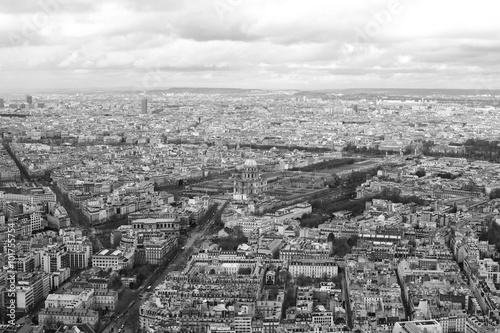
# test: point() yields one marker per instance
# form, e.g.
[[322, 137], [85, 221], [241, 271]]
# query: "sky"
[[259, 44]]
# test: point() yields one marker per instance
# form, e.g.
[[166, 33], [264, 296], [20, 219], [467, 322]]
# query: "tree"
[[115, 282], [336, 181], [353, 240], [495, 193], [340, 248], [244, 270], [494, 234], [284, 276], [234, 240], [303, 280], [335, 163], [140, 278], [50, 322], [420, 173], [289, 300], [102, 273], [357, 177], [312, 220], [331, 238], [239, 232]]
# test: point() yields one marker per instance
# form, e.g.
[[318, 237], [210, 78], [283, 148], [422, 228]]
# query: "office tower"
[[29, 99], [243, 323], [2, 105], [24, 262], [144, 106], [54, 257]]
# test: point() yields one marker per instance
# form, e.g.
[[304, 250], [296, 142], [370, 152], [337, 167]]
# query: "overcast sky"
[[276, 44]]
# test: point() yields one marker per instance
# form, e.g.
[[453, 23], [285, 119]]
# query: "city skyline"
[[56, 44]]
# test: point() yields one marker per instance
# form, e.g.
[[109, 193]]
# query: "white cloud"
[[255, 43]]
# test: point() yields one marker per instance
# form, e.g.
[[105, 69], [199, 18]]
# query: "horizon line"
[[116, 89]]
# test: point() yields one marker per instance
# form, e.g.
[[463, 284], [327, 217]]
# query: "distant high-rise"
[[144, 106], [2, 105], [29, 99]]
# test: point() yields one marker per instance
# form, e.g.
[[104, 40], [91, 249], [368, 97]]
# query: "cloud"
[[317, 44]]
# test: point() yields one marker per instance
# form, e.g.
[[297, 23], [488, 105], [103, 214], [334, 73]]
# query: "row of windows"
[[73, 319], [156, 226], [316, 265]]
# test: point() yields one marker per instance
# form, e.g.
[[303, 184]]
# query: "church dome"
[[250, 163]]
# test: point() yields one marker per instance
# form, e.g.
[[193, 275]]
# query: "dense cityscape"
[[231, 210], [249, 166]]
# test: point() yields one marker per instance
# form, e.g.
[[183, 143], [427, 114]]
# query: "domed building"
[[250, 181]]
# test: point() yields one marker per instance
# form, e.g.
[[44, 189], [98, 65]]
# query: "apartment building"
[[77, 299], [111, 259], [68, 316], [170, 226], [156, 250], [313, 268], [54, 257]]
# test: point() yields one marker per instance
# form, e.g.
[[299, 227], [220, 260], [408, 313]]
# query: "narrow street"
[[347, 299], [130, 317]]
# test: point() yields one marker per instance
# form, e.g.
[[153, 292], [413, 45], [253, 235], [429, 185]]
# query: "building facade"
[[313, 268], [250, 181], [68, 316]]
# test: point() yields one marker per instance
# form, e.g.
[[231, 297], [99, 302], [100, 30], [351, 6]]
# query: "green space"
[[492, 234], [357, 206], [244, 270], [342, 246], [472, 149], [312, 220], [174, 189], [331, 164], [375, 152], [231, 242], [303, 280]]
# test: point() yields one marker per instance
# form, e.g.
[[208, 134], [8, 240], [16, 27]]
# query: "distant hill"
[[209, 90], [417, 92], [311, 93]]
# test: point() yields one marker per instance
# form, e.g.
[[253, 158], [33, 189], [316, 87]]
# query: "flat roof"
[[107, 252]]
